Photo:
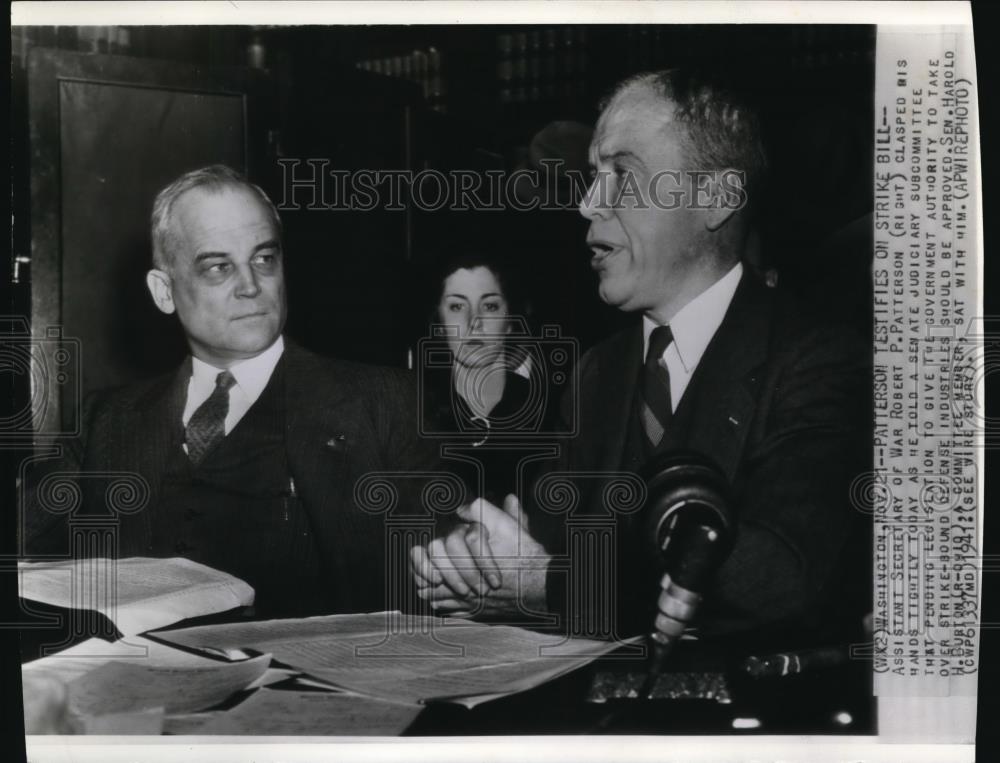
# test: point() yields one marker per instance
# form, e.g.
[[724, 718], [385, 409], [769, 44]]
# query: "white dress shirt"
[[693, 327], [251, 375]]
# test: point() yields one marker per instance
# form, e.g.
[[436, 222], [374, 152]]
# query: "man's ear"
[[159, 285], [728, 195]]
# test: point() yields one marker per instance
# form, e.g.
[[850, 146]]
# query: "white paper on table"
[[316, 683], [278, 712], [406, 659], [273, 676], [116, 687], [136, 593], [83, 657]]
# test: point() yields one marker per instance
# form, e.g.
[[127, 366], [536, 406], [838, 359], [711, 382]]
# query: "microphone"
[[688, 532]]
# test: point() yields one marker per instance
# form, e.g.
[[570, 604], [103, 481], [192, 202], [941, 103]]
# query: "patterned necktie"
[[656, 408], [207, 425]]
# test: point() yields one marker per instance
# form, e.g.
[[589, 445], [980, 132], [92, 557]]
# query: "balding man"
[[714, 362], [253, 447]]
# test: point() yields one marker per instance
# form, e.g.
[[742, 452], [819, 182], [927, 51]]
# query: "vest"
[[238, 511]]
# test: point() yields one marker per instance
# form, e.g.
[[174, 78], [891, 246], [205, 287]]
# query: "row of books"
[[542, 64], [424, 67]]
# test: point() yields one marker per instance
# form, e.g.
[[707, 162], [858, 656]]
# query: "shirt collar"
[[251, 375], [695, 324]]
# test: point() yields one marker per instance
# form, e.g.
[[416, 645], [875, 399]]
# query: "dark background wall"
[[456, 97]]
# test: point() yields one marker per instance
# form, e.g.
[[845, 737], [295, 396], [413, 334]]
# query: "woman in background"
[[488, 395]]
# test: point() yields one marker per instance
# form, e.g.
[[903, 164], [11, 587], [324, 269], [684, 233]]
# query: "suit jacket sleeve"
[[404, 448], [809, 440], [796, 524], [44, 530]]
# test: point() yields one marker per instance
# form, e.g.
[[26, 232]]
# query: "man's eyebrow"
[[621, 155], [209, 255], [201, 256]]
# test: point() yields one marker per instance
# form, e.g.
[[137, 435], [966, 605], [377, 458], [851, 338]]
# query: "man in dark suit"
[[715, 363], [250, 451]]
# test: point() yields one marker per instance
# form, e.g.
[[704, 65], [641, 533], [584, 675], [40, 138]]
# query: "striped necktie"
[[207, 425], [656, 408]]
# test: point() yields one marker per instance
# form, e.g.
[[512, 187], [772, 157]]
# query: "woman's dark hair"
[[438, 394], [510, 280]]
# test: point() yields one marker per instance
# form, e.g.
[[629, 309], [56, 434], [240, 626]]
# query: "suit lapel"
[[145, 439], [158, 422], [720, 400]]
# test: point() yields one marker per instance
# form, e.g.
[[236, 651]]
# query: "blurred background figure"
[[481, 390]]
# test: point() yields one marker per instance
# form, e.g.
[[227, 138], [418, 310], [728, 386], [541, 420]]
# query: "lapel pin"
[[733, 421], [335, 442]]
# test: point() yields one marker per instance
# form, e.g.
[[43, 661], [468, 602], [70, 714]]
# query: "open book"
[[137, 593]]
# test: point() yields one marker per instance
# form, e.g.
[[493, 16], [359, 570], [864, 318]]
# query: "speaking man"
[[715, 363], [250, 451]]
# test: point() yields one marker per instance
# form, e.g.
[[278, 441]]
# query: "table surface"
[[818, 702], [811, 703]]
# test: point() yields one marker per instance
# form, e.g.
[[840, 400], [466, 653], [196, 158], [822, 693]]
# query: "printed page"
[[116, 687], [93, 653], [414, 660]]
